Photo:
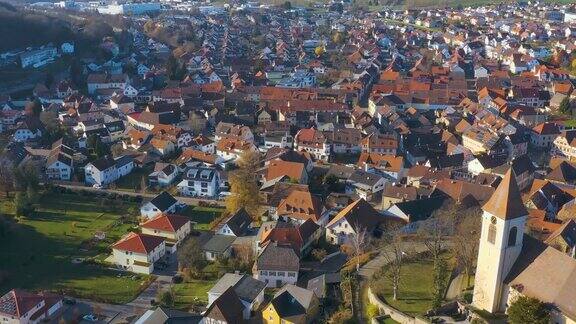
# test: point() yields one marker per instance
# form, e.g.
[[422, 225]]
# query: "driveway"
[[144, 300]]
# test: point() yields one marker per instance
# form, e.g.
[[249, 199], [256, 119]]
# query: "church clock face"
[[493, 220]]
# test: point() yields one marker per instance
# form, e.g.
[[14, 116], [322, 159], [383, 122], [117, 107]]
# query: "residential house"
[[564, 238], [543, 135], [107, 170], [380, 143], [237, 225], [136, 139], [565, 145], [479, 140], [226, 309], [138, 252], [314, 142], [300, 237], [356, 217], [388, 165], [232, 131], [277, 265], [249, 290], [30, 128], [163, 203], [414, 211], [393, 194], [278, 140], [345, 140], [230, 149], [164, 174], [22, 307], [59, 164], [200, 181], [162, 147], [291, 304], [296, 171], [300, 206], [218, 247], [173, 228], [365, 184]]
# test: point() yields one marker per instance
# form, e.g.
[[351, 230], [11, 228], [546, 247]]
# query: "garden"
[[416, 284], [56, 247]]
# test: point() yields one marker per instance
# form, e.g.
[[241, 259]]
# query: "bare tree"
[[435, 231], [465, 240], [394, 255], [360, 242]]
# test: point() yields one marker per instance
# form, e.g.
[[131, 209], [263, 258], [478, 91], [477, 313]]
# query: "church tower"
[[503, 223]]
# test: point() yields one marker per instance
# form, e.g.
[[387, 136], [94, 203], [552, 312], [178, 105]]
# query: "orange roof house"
[[301, 206]]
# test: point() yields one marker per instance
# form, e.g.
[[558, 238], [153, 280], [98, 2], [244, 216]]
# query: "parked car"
[[90, 318]]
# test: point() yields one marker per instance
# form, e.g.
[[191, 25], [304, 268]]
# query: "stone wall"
[[395, 314]]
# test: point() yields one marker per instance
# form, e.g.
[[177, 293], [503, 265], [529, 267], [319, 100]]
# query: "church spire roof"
[[506, 202]]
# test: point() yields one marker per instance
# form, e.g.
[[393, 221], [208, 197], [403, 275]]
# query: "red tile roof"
[[18, 302], [138, 243], [167, 223]]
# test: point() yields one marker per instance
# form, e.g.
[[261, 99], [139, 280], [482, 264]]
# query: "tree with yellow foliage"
[[244, 189], [319, 50]]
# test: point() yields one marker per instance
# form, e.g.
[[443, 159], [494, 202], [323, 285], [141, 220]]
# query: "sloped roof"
[[545, 273], [359, 213], [18, 302], [166, 222], [138, 243], [506, 201], [227, 308]]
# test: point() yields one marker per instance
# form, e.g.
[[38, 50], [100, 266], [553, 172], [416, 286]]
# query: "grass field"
[[202, 215], [193, 292], [415, 292], [39, 251]]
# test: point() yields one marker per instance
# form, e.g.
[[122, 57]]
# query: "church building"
[[512, 263]]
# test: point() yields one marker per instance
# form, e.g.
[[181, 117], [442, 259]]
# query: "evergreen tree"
[[528, 310]]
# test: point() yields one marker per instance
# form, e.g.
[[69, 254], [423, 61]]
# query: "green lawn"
[[202, 215], [415, 292], [188, 293], [38, 252], [389, 321]]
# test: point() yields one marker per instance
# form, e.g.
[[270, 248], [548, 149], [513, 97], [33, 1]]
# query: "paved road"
[[187, 200]]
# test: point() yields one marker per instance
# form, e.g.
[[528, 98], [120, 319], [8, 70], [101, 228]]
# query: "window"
[[272, 273], [512, 236], [291, 274], [264, 273], [280, 273], [492, 233]]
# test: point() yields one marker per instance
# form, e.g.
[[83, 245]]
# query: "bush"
[[528, 310], [372, 311], [318, 254], [166, 298]]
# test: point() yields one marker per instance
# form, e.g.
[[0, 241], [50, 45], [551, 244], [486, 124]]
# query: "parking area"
[[84, 311]]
